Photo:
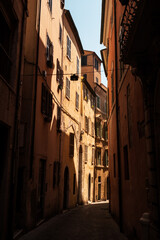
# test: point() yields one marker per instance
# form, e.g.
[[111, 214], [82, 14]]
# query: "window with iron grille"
[[96, 80], [84, 61], [96, 64], [49, 52], [46, 103], [77, 101], [71, 145], [86, 154], [50, 5], [98, 156], [68, 47], [6, 46], [68, 88]]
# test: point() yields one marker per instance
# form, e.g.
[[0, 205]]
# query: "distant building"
[[87, 144], [91, 70], [131, 59]]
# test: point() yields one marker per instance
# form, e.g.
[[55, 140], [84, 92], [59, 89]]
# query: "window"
[[85, 93], [98, 156], [50, 5], [86, 154], [77, 65], [6, 39], [49, 52], [126, 164], [71, 145], [68, 48], [84, 61], [92, 129], [92, 101], [87, 124], [93, 156], [105, 131], [68, 88], [96, 80], [58, 118], [96, 64], [105, 158], [74, 183], [114, 165], [98, 102], [46, 103], [112, 82], [60, 33], [99, 179], [59, 75], [98, 129], [77, 101]]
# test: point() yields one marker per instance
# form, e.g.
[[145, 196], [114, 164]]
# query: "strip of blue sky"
[[87, 17]]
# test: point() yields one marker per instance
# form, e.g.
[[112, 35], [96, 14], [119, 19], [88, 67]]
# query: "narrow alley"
[[85, 222]]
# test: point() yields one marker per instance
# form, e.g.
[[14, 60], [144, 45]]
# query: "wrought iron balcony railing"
[[127, 26]]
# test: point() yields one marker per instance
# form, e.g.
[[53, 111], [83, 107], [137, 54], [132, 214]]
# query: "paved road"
[[90, 222]]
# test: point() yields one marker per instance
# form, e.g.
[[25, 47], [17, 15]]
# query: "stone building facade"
[[91, 70], [13, 16], [130, 60]]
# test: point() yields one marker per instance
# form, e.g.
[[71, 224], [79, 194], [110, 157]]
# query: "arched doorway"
[[89, 187], [66, 188]]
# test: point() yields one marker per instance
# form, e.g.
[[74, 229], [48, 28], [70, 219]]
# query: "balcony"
[[139, 28]]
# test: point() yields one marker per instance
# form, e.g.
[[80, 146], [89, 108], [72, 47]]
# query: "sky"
[[87, 18]]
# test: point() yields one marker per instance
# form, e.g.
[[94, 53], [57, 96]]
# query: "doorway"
[[66, 189], [41, 189], [89, 187], [99, 188]]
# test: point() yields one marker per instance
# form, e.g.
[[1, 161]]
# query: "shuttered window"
[[77, 101], [46, 103], [68, 48], [68, 88]]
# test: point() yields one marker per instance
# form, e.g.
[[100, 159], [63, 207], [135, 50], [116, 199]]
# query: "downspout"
[[14, 163], [117, 124], [35, 94]]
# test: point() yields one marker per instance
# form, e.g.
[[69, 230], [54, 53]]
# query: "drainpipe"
[[15, 150], [117, 124], [35, 95]]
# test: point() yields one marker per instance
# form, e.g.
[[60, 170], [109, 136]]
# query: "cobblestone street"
[[92, 221]]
